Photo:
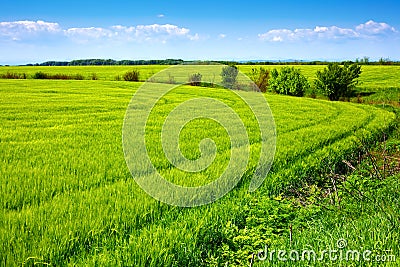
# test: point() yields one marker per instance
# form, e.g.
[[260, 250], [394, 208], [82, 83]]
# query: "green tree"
[[195, 79], [260, 76], [365, 60], [229, 75], [337, 81], [132, 76], [289, 81]]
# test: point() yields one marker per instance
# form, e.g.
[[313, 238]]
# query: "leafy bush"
[[40, 75], [94, 77], [229, 75], [289, 81], [77, 77], [132, 76], [13, 75], [337, 81], [260, 77], [57, 76], [195, 79]]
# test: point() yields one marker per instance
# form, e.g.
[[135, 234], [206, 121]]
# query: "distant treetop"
[[111, 62], [108, 62]]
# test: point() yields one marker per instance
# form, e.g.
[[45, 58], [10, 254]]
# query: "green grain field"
[[68, 198], [372, 77]]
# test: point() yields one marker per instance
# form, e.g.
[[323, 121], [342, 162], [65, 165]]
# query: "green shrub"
[[195, 79], [78, 77], [132, 76], [337, 81], [40, 75], [229, 75], [57, 76], [13, 75], [260, 77], [94, 77], [289, 81]]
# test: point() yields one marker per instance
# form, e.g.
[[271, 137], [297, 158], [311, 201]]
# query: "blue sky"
[[36, 31]]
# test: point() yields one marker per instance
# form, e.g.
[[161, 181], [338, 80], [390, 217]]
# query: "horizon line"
[[239, 61]]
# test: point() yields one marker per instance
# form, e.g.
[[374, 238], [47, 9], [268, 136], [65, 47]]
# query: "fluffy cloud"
[[369, 29], [29, 26], [153, 32], [16, 30], [19, 30], [142, 32], [373, 28], [91, 32]]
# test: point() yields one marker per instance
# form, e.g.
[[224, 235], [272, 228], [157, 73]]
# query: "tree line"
[[109, 62], [335, 81], [112, 62]]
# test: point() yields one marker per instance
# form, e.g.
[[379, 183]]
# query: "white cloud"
[[153, 32], [139, 33], [195, 37], [277, 39], [369, 29], [91, 32], [372, 27], [160, 15], [168, 29], [30, 26], [222, 36], [19, 30]]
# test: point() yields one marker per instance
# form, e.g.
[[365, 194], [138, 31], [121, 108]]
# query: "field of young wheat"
[[68, 197]]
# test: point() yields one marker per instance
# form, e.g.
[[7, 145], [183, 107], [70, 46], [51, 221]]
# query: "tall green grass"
[[68, 198], [377, 77]]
